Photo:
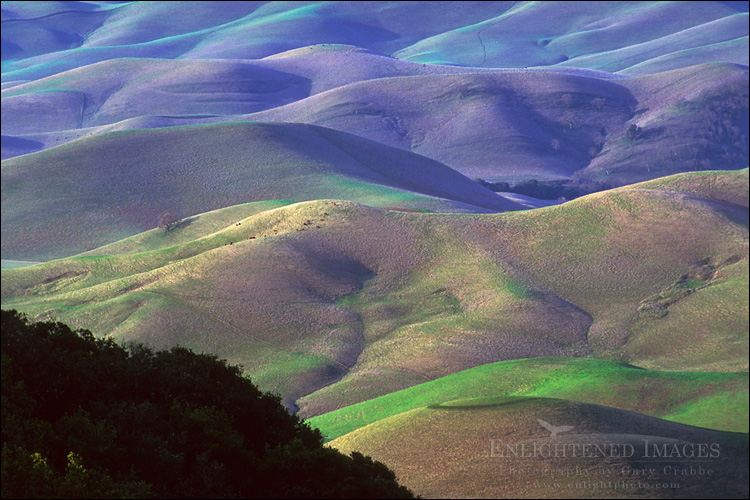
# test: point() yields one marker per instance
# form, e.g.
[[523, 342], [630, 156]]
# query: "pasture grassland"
[[705, 330], [713, 400], [190, 228], [729, 187], [14, 264], [583, 250], [446, 450], [368, 301]]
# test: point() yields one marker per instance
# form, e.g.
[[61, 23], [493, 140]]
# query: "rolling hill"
[[499, 125], [705, 399], [383, 300], [91, 192], [454, 236], [519, 125], [500, 447], [41, 41]]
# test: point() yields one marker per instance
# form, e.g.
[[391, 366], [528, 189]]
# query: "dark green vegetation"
[[85, 418], [544, 190]]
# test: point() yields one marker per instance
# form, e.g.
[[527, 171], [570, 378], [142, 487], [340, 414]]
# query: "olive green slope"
[[331, 302]]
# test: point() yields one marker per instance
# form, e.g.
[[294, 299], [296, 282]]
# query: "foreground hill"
[[81, 195], [704, 399], [341, 302], [501, 448]]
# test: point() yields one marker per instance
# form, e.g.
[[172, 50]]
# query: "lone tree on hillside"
[[634, 131], [168, 221]]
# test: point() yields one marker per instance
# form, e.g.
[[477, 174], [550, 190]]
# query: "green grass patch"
[[677, 396]]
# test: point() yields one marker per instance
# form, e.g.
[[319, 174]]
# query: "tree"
[[634, 131], [83, 417], [168, 221]]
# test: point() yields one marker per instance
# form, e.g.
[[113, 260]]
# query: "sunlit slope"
[[373, 300], [502, 448], [272, 292], [712, 400], [683, 242], [94, 191]]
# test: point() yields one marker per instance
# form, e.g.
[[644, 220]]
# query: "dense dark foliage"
[[545, 190], [84, 417]]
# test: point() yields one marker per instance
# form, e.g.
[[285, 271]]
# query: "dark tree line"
[[86, 418], [544, 190]]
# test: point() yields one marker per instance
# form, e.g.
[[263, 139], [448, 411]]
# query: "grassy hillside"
[[91, 192], [115, 90], [687, 119], [607, 36], [497, 125], [548, 125], [46, 40], [368, 301], [712, 400], [497, 447]]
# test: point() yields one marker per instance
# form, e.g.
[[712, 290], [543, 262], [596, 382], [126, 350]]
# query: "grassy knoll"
[[485, 448], [712, 400]]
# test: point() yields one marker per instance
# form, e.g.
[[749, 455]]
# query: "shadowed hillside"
[[502, 448], [78, 196], [577, 127], [548, 125]]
